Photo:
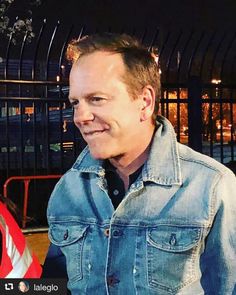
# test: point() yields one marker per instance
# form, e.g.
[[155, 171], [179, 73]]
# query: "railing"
[[40, 138], [26, 180], [182, 54], [37, 132]]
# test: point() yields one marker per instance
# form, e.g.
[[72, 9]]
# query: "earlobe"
[[148, 103]]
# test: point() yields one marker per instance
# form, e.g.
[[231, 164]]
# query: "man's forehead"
[[95, 72], [99, 64], [100, 59]]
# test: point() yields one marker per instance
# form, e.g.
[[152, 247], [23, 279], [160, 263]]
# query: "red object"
[[26, 180], [17, 261]]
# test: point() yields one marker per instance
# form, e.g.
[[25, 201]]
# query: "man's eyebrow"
[[87, 95]]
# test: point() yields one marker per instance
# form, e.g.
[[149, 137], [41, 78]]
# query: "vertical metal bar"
[[34, 139], [232, 131], [178, 79], [61, 136], [164, 45], [226, 54], [220, 42], [49, 52], [25, 202], [46, 144], [167, 103], [7, 139], [162, 102], [171, 55], [178, 113], [46, 133], [183, 54], [9, 44], [64, 47], [231, 95], [7, 62], [231, 74], [33, 74], [215, 55], [21, 60], [21, 139], [204, 54], [35, 109], [36, 147], [210, 124], [62, 55], [190, 63], [221, 128], [195, 114]]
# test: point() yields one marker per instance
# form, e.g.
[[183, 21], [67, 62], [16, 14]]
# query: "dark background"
[[130, 16], [117, 14]]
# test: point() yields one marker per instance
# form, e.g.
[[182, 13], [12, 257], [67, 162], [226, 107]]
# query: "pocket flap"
[[174, 238], [66, 234]]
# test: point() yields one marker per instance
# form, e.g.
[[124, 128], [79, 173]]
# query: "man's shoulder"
[[196, 160]]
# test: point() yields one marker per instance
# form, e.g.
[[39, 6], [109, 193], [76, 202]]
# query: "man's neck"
[[125, 172], [127, 165]]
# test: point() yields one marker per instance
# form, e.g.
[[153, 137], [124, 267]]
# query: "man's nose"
[[82, 113]]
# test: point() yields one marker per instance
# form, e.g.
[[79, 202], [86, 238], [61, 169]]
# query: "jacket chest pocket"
[[70, 238], [171, 256]]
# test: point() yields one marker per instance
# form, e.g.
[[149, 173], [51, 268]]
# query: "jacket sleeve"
[[218, 261]]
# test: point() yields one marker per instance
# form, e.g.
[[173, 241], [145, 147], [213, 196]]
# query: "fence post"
[[195, 113]]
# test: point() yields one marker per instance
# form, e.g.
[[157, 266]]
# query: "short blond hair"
[[141, 65]]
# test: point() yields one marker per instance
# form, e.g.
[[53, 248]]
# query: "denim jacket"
[[173, 233]]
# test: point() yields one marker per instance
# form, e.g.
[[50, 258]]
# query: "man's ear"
[[148, 103]]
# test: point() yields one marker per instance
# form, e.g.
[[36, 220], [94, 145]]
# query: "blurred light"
[[215, 81]]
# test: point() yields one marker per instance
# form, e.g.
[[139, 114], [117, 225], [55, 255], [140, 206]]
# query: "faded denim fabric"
[[173, 233]]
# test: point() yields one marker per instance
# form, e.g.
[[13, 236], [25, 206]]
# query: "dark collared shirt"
[[115, 185]]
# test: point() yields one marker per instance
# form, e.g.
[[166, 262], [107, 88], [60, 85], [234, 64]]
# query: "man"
[[138, 213]]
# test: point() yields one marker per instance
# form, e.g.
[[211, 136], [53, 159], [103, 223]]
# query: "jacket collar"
[[162, 166]]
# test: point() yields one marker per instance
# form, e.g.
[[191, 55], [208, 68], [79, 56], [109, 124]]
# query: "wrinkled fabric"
[[173, 233]]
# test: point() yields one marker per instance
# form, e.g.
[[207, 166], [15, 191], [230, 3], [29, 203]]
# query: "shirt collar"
[[162, 166]]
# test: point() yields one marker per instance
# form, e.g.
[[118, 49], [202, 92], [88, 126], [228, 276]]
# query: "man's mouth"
[[93, 132]]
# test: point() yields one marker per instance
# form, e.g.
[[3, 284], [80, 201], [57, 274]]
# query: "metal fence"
[[37, 132]]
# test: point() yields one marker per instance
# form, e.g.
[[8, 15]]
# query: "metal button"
[[66, 235], [107, 232], [116, 192], [173, 240]]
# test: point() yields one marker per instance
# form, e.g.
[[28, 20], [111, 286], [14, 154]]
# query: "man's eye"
[[96, 98], [74, 103]]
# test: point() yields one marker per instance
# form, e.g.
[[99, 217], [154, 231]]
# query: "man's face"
[[105, 113]]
